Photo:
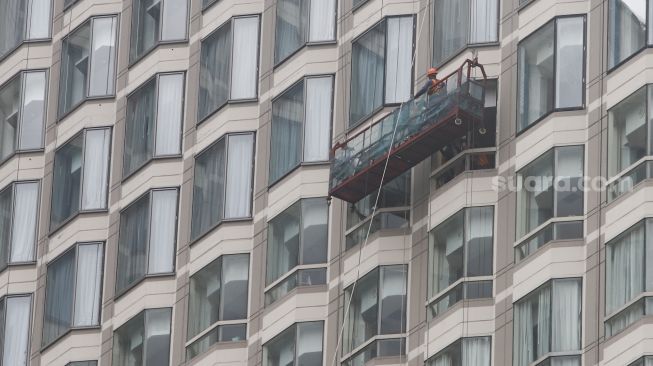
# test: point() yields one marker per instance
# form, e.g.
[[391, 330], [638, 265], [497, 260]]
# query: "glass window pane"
[[399, 59], [133, 244], [283, 243], [208, 189], [535, 87], [535, 198], [280, 351], [286, 139], [67, 181], [33, 111], [9, 117], [483, 23], [624, 268], [446, 254], [103, 57], [627, 132], [315, 216], [322, 21], [170, 108], [38, 25], [23, 237], [146, 20], [367, 70], [128, 342], [291, 31], [566, 315], [362, 321], [393, 299], [240, 166], [309, 343], [12, 24], [74, 68], [175, 20], [215, 66], [479, 229], [157, 337], [163, 229], [244, 75], [627, 29], [317, 130], [451, 26], [139, 127], [60, 282], [88, 286], [235, 280], [569, 175], [570, 62], [16, 341], [204, 298], [477, 351], [6, 215], [532, 326], [96, 169]]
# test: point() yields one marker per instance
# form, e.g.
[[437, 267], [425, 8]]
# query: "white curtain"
[[569, 62], [163, 230], [451, 26], [443, 360], [477, 351], [170, 106], [565, 361], [291, 27], [543, 321], [367, 73], [33, 111], [566, 315], [484, 21], [288, 114], [322, 22], [625, 271], [215, 64], [88, 286], [523, 352], [96, 169], [59, 294], [317, 126], [399, 59], [175, 20], [240, 162], [103, 56], [38, 19], [208, 188], [244, 72], [23, 240], [12, 24], [309, 344], [17, 330]]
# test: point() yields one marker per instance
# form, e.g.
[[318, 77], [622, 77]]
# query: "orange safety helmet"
[[432, 71]]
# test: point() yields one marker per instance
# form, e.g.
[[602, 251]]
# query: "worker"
[[432, 85]]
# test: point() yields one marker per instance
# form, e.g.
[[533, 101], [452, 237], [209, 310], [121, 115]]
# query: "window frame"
[[3, 317], [451, 345], [293, 327], [647, 41], [12, 186], [199, 119], [355, 7], [303, 137], [118, 293], [554, 20], [60, 115], [11, 51], [211, 228], [88, 362], [75, 247], [144, 328], [352, 125], [158, 41], [52, 229], [156, 79], [20, 78]]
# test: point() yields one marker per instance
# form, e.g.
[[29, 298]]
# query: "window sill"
[[215, 347], [9, 266], [627, 59], [306, 45], [369, 341], [64, 223], [122, 292], [157, 46], [546, 115], [67, 332], [550, 355], [202, 120], [97, 99], [467, 47], [10, 52], [541, 230], [298, 167], [19, 154], [147, 163], [209, 231]]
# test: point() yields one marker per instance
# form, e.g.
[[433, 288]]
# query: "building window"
[[22, 113], [88, 63], [81, 175], [297, 242], [82, 363], [300, 344], [378, 307], [629, 274], [154, 121], [547, 321], [144, 339], [73, 291], [148, 236], [629, 131], [229, 65], [551, 65], [303, 22], [15, 320], [217, 305], [301, 125], [629, 29], [459, 24], [461, 258], [222, 187], [19, 209], [381, 67], [644, 361], [22, 21], [154, 22], [550, 188], [473, 351], [393, 211]]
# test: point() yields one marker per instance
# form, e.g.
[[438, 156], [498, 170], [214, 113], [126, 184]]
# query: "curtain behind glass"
[[235, 281], [392, 296], [483, 23], [6, 215], [451, 26], [60, 282], [23, 238], [208, 189], [16, 341], [570, 62], [543, 334], [535, 203], [157, 337], [32, 111], [139, 127], [128, 342], [367, 72], [145, 27], [244, 73], [479, 236], [163, 232], [175, 20], [446, 254], [103, 57], [566, 315], [315, 217], [627, 124], [133, 243], [523, 351], [477, 351], [9, 117], [627, 29], [291, 30], [317, 125], [322, 22], [286, 139], [309, 343], [170, 107], [283, 243], [96, 169], [88, 285], [66, 181], [12, 24], [240, 167], [204, 298], [399, 59], [38, 23], [625, 268], [215, 64], [74, 68]]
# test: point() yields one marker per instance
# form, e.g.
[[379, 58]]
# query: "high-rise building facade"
[[165, 177]]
